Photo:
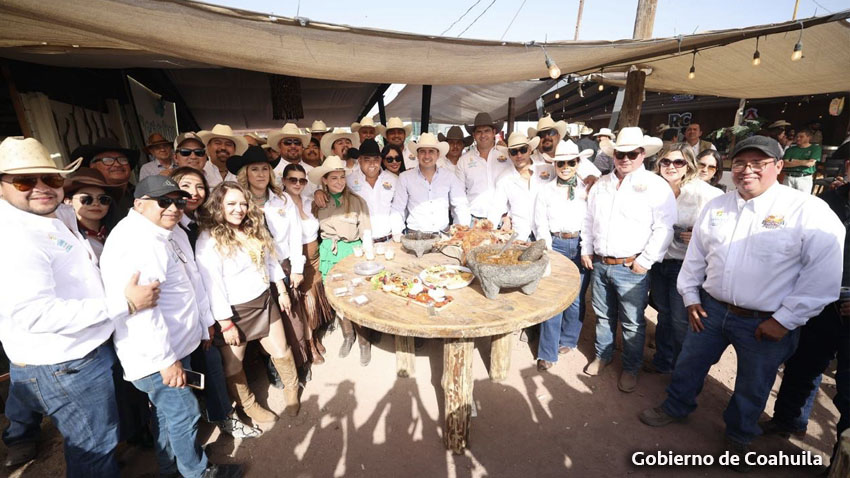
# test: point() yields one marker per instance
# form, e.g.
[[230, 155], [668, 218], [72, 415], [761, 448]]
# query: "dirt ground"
[[364, 422]]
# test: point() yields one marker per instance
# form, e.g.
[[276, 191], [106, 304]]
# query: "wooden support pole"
[[382, 110], [457, 386], [644, 19], [26, 131], [630, 114], [511, 114], [500, 356], [578, 20], [405, 356], [426, 107]]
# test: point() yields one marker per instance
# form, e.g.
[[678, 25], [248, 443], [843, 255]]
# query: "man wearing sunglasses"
[[628, 227], [55, 318], [154, 346], [189, 151], [551, 134], [161, 154], [290, 143]]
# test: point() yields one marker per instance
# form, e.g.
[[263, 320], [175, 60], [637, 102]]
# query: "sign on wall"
[[155, 114]]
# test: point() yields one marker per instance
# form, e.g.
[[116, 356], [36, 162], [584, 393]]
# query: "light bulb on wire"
[[798, 47], [554, 71], [693, 71], [757, 55]]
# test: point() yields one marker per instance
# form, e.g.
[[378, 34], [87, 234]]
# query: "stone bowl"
[[419, 242], [493, 278]]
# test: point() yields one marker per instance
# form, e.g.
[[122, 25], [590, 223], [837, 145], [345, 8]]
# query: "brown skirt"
[[251, 318], [294, 325], [317, 309]]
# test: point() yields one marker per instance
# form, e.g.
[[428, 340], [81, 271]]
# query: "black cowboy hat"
[[102, 145], [254, 154]]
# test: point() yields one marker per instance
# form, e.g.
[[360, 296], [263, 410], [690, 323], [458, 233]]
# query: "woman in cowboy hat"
[[92, 199]]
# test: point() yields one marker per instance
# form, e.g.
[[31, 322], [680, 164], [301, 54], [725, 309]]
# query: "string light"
[[693, 71], [757, 55], [554, 71], [601, 76], [557, 95], [798, 48]]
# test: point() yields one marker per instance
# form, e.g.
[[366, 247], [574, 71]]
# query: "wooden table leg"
[[500, 356], [457, 386], [405, 356]]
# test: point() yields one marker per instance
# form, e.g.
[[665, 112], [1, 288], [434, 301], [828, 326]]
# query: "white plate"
[[368, 268], [452, 267]]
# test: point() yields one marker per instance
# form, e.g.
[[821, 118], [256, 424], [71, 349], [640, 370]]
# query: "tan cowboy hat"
[[182, 138], [367, 122], [455, 133], [318, 126], [156, 139], [604, 132], [256, 137], [338, 133], [662, 128], [394, 123], [547, 123], [484, 119], [517, 139], [428, 140], [331, 163], [29, 156], [779, 124], [585, 130], [226, 132], [630, 139], [567, 150], [289, 130]]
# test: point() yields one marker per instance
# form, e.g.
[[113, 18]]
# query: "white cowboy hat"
[[547, 123], [226, 132], [318, 126], [779, 124], [632, 138], [517, 139], [331, 163], [567, 150], [394, 123], [585, 130], [328, 140], [289, 130], [367, 122], [428, 140], [256, 137], [605, 132], [29, 156]]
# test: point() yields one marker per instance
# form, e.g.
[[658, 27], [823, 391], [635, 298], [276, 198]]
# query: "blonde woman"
[[236, 256], [678, 167]]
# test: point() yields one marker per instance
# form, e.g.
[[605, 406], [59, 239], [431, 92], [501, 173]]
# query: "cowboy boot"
[[318, 359], [348, 335], [237, 387], [289, 376], [319, 346], [271, 373], [365, 350]]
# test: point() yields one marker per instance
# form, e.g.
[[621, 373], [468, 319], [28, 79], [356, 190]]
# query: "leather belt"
[[382, 239], [613, 261], [565, 235], [744, 312]]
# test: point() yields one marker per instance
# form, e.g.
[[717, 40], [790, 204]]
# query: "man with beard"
[[395, 132], [221, 144], [312, 153], [457, 142], [162, 159], [366, 128], [551, 133], [318, 129], [115, 163], [338, 144], [290, 142], [479, 168], [376, 186]]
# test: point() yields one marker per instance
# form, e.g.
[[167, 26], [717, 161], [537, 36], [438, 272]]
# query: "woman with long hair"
[[710, 168], [236, 257], [392, 159], [193, 182]]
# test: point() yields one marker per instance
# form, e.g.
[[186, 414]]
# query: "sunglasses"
[[26, 183], [516, 151], [569, 162], [393, 159], [548, 132], [87, 200], [110, 161], [165, 202], [631, 154], [677, 163], [186, 152], [707, 166], [294, 181], [291, 141]]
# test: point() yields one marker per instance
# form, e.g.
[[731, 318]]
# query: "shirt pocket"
[[775, 246]]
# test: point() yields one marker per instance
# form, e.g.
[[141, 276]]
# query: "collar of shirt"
[[64, 214], [141, 223], [760, 203]]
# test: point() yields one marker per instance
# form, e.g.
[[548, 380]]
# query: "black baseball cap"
[[765, 144], [157, 186]]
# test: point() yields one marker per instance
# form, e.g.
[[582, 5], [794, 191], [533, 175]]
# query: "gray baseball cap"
[[765, 144], [157, 186]]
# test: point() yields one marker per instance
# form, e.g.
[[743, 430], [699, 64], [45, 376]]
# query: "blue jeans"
[[79, 396], [176, 426], [216, 399], [620, 295], [672, 314], [563, 329], [758, 362]]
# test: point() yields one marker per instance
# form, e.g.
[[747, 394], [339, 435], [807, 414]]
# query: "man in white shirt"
[[692, 138], [154, 346], [160, 151], [221, 143], [628, 227], [290, 142], [551, 134], [762, 260], [338, 144], [365, 129], [55, 319], [423, 194], [479, 168], [377, 187], [395, 132]]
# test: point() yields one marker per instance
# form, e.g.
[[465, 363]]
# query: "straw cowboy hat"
[[254, 154], [156, 139], [632, 138], [455, 133], [289, 130], [338, 133], [567, 150], [484, 119], [225, 132], [91, 177], [394, 123], [662, 128], [331, 163], [28, 156], [779, 124], [318, 126], [256, 137], [428, 140], [517, 139], [547, 123], [585, 130], [367, 122], [604, 132], [102, 145]]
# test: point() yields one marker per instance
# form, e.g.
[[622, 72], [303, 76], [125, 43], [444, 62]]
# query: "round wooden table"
[[470, 315]]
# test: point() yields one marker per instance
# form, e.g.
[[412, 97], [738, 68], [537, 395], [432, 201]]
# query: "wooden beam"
[[382, 110], [16, 101], [377, 95], [644, 21], [426, 108], [578, 20], [511, 114]]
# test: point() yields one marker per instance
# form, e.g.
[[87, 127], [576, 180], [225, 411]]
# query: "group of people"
[[117, 290]]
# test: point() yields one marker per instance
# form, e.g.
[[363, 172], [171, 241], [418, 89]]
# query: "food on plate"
[[410, 288], [448, 277]]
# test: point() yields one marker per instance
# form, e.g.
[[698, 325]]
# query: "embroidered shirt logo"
[[773, 222], [639, 187], [62, 243], [501, 158], [387, 185], [544, 175]]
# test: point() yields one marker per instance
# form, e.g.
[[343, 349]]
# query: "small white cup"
[[358, 252], [380, 249], [370, 255], [389, 254]]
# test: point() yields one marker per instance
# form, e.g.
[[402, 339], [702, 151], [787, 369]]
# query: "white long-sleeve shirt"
[[309, 226], [52, 307], [693, 196], [379, 199], [232, 279], [410, 159], [284, 223], [153, 339], [152, 168], [517, 195], [555, 212], [425, 205], [780, 252], [635, 219], [213, 175], [479, 175], [585, 167]]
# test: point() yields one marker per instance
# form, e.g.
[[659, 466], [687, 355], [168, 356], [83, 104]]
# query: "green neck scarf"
[[570, 184], [336, 197]]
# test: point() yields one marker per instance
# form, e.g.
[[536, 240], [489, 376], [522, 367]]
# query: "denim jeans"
[[563, 329], [620, 295], [80, 398], [216, 399], [176, 425], [672, 314], [758, 362]]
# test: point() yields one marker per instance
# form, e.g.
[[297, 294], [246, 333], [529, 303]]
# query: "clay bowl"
[[419, 242], [493, 278]]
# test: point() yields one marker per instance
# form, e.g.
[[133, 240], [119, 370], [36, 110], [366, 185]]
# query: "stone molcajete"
[[525, 276], [419, 242]]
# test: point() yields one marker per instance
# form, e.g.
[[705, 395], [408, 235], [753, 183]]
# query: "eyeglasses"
[[516, 151], [294, 181], [87, 200], [186, 152], [569, 162], [110, 161], [631, 154], [291, 141], [393, 159], [548, 132], [166, 202], [677, 163], [26, 183], [756, 166], [707, 166]]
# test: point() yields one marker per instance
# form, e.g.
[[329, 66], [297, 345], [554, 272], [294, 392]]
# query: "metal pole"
[[426, 108], [511, 113]]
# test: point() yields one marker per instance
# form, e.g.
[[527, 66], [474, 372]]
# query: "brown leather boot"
[[237, 387], [348, 337], [289, 376], [318, 359]]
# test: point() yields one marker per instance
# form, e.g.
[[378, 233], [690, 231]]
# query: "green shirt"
[[813, 151]]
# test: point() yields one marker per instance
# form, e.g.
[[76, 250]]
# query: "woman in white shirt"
[[678, 167], [92, 199], [236, 257], [559, 211]]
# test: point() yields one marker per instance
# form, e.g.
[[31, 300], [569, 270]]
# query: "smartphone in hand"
[[194, 379]]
